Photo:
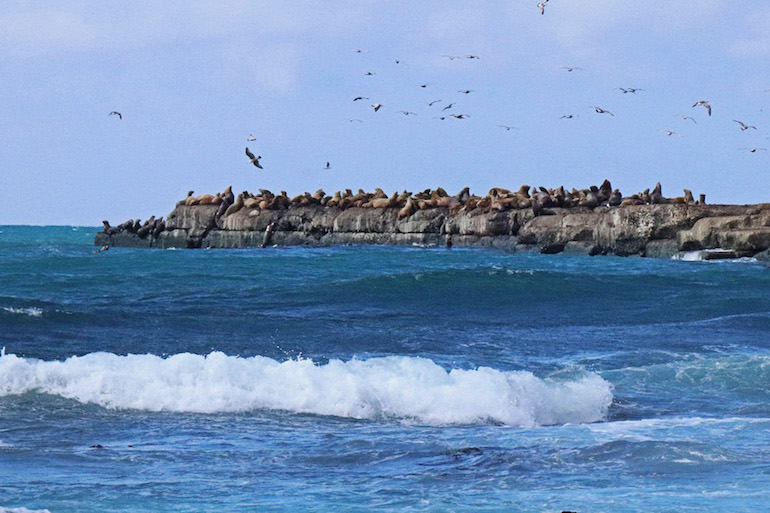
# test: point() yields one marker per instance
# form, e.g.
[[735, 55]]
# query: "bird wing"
[[249, 154], [256, 163]]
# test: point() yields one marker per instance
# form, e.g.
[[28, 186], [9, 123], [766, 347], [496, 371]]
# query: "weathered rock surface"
[[645, 230]]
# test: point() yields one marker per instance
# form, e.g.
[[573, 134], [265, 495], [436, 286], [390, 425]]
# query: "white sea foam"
[[32, 311], [405, 388], [22, 510]]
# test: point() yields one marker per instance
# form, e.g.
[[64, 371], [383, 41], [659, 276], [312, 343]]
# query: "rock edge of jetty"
[[592, 221]]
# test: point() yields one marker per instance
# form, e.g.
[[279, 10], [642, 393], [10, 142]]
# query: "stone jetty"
[[592, 221]]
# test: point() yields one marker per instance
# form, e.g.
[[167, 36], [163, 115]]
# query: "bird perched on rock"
[[254, 160], [116, 113], [704, 104]]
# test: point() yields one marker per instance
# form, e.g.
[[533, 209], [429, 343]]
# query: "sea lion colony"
[[498, 199]]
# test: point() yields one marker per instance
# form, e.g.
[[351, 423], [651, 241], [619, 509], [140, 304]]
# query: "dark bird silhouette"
[[408, 113], [377, 106], [508, 128], [360, 98], [754, 150], [116, 113], [369, 73], [599, 110], [472, 57], [626, 90], [430, 104], [448, 107], [569, 116], [744, 127], [704, 104], [254, 160], [570, 68], [328, 165], [466, 91]]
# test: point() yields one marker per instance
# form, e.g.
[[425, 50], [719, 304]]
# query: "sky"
[[193, 79]]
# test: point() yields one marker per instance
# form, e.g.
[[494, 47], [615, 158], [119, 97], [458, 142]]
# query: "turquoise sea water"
[[378, 379]]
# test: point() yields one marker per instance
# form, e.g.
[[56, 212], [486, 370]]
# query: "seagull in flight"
[[633, 90], [599, 110], [254, 160], [408, 113], [430, 104], [328, 165], [508, 128], [570, 68], [466, 91], [460, 116], [686, 117], [704, 104], [754, 150], [448, 107], [541, 6], [369, 73], [669, 132], [472, 57], [744, 127], [354, 119], [251, 138], [569, 116], [360, 98], [451, 57], [116, 113], [376, 106]]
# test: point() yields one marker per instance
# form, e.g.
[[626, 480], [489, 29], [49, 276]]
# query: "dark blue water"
[[378, 378]]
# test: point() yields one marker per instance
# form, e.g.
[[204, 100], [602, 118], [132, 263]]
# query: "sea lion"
[[235, 207], [109, 230]]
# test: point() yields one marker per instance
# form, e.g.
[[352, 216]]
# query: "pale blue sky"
[[193, 79]]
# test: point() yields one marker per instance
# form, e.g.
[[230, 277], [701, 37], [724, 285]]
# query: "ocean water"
[[378, 379]]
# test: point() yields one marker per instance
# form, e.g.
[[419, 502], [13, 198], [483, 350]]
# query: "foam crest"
[[31, 312], [405, 388]]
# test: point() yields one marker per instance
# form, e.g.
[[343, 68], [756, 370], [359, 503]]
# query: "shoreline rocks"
[[653, 230]]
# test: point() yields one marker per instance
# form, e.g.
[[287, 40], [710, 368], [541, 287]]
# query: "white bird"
[[704, 104], [116, 113], [376, 106], [251, 138], [254, 160], [599, 110], [541, 6], [669, 132], [744, 127]]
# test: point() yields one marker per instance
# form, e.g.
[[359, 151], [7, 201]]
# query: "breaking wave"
[[404, 388]]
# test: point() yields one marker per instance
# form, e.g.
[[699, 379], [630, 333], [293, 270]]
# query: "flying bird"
[[424, 85], [328, 165], [354, 119], [430, 104], [541, 6], [754, 150], [376, 106], [116, 113], [460, 116], [369, 73], [508, 128], [466, 91], [704, 104], [251, 138], [360, 98], [625, 90], [254, 160], [669, 132], [744, 127], [570, 68], [599, 110], [408, 113], [451, 57], [569, 116], [448, 107], [686, 117], [472, 57]]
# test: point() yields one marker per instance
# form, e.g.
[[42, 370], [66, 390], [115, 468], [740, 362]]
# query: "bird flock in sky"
[[443, 110]]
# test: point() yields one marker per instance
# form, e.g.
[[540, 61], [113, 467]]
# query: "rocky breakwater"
[[596, 220]]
